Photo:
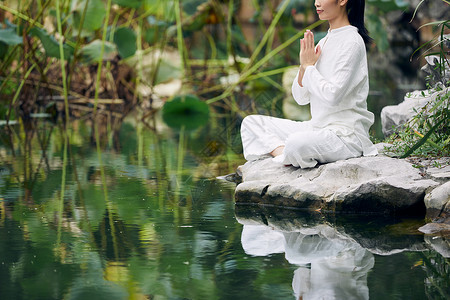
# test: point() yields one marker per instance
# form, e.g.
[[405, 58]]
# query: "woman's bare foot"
[[277, 151]]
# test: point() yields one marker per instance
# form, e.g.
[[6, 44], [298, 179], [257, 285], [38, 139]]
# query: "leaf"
[[129, 3], [51, 46], [92, 51], [187, 111], [125, 39], [94, 18], [422, 140], [10, 37]]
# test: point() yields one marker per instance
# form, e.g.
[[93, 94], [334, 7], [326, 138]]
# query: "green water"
[[143, 216]]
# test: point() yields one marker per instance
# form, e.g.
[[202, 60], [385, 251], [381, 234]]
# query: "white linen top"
[[336, 87]]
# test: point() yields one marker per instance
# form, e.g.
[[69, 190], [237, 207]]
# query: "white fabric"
[[261, 240], [338, 265], [336, 88], [305, 145], [332, 266]]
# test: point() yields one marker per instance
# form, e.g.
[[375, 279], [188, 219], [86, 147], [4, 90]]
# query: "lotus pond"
[[141, 215]]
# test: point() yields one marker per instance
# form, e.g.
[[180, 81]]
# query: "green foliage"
[[297, 6], [91, 52], [9, 37], [377, 31], [50, 44], [94, 16], [166, 72], [185, 111], [125, 39], [129, 3], [428, 132], [190, 6], [389, 5], [155, 32]]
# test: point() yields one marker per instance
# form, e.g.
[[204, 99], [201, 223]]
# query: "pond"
[[142, 215]]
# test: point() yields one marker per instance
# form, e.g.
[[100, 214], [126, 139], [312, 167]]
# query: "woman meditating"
[[333, 79]]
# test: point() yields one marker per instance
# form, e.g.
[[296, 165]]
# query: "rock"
[[440, 171], [435, 75], [393, 116], [433, 228], [361, 185], [437, 203]]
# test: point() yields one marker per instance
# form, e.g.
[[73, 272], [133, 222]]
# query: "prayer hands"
[[308, 54]]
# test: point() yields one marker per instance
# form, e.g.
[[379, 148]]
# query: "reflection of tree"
[[130, 220]]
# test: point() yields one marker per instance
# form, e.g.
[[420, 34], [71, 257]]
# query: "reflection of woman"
[[333, 78], [338, 266], [332, 266]]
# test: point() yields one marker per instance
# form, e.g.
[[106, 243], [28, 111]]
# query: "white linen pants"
[[305, 146]]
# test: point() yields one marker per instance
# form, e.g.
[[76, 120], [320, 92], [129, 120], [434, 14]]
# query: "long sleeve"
[[337, 86], [332, 90], [301, 94]]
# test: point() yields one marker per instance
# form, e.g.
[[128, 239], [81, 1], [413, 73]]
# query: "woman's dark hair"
[[355, 12]]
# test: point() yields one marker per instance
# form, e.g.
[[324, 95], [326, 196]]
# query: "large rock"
[[438, 202], [393, 116], [359, 185]]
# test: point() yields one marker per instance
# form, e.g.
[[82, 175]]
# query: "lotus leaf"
[[187, 110]]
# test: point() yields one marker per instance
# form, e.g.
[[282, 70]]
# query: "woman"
[[333, 79]]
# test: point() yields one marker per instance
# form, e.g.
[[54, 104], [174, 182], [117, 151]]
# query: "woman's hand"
[[308, 54]]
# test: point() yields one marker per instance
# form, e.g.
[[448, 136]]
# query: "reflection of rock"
[[439, 244], [378, 234], [261, 240], [365, 184]]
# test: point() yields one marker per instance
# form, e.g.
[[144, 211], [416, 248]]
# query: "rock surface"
[[359, 185], [393, 116]]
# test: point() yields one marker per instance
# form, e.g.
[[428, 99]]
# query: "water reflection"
[[334, 255], [164, 229], [331, 266]]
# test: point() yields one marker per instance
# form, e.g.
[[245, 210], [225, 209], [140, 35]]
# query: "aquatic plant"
[[103, 58]]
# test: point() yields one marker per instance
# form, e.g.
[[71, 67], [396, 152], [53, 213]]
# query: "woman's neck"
[[339, 22]]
